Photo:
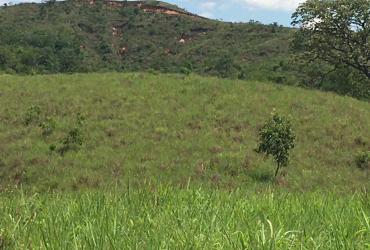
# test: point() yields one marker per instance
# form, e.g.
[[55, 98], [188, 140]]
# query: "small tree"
[[277, 138]]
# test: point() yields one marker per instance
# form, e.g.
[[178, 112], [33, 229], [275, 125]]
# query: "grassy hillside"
[[76, 36], [143, 129], [185, 219]]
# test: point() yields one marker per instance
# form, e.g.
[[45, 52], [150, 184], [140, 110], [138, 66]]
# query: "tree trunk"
[[277, 170]]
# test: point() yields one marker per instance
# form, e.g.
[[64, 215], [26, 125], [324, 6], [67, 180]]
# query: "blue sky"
[[265, 11]]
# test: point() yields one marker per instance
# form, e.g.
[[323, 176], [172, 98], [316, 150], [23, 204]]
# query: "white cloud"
[[279, 5], [207, 8], [208, 5], [207, 14], [285, 5], [2, 2]]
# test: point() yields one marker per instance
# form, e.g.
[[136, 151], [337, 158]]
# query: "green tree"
[[336, 32], [277, 138]]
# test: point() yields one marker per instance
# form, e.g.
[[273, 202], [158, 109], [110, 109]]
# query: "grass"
[[172, 129], [169, 162], [170, 218]]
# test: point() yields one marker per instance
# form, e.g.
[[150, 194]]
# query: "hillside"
[[135, 125], [90, 36], [147, 129]]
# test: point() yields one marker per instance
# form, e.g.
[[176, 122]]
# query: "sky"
[[265, 11]]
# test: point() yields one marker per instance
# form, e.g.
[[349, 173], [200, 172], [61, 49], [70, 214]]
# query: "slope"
[[144, 128], [87, 36]]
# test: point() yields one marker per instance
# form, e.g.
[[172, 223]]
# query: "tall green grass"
[[170, 218]]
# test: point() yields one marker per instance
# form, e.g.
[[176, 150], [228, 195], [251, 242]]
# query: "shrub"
[[32, 115], [74, 138], [52, 147], [363, 160], [72, 141], [47, 127], [277, 138]]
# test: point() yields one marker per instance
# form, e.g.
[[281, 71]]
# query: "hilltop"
[[90, 36]]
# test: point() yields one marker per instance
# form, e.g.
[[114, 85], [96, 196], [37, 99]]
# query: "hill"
[[145, 129], [90, 36], [126, 36]]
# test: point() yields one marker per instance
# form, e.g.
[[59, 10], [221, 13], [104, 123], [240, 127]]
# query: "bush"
[[363, 160], [74, 138], [277, 138], [72, 141], [32, 115], [47, 127]]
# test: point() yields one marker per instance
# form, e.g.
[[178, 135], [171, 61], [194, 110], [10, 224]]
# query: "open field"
[[172, 129], [185, 219], [116, 134], [150, 161]]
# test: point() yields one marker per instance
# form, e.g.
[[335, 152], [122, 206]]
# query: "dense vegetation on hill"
[[78, 36], [75, 36], [87, 131]]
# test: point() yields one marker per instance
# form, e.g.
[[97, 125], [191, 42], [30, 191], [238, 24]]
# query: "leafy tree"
[[336, 32], [277, 138]]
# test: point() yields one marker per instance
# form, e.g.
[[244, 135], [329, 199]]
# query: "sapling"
[[277, 138]]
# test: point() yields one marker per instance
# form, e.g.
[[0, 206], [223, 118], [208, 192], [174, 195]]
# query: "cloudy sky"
[[266, 11]]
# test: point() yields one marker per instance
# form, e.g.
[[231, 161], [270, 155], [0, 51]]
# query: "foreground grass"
[[184, 219], [172, 128]]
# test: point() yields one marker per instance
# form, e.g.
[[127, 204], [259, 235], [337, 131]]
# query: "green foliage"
[[32, 115], [75, 36], [47, 126], [74, 138], [340, 79], [332, 43], [363, 160], [72, 141], [224, 66], [277, 138]]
